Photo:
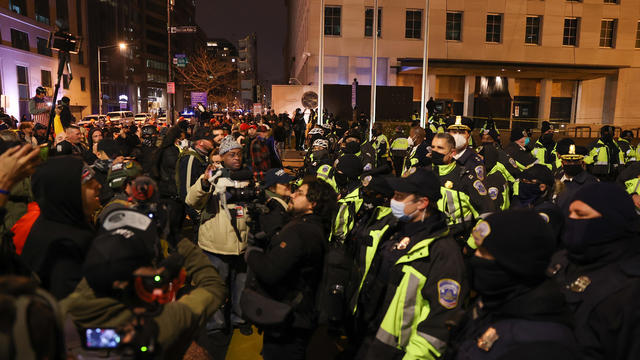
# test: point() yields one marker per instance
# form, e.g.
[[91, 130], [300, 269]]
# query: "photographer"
[[224, 229], [122, 290], [290, 270]]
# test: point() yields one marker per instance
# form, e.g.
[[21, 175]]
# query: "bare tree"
[[206, 73]]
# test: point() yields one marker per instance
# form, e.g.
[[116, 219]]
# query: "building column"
[[469, 92], [609, 104], [544, 106], [511, 83], [431, 86]]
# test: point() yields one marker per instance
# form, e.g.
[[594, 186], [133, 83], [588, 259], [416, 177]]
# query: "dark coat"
[[166, 168], [60, 237]]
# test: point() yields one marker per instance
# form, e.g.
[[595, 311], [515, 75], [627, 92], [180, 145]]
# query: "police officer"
[[624, 142], [399, 147], [490, 137], [544, 148], [630, 179], [466, 157], [348, 169], [519, 313], [605, 156], [148, 148], [364, 150], [417, 151], [422, 274], [574, 176], [599, 271], [517, 148], [276, 186], [381, 145], [119, 180], [498, 181], [465, 198]]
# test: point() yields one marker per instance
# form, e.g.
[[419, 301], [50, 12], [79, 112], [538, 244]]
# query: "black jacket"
[[166, 171], [292, 265], [60, 237], [534, 325], [569, 188]]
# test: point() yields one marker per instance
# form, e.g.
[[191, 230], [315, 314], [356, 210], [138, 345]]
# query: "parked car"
[[95, 118], [117, 117], [141, 118]]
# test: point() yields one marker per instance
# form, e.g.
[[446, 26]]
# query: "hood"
[[56, 187]]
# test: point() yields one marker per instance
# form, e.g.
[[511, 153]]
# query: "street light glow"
[[122, 46]]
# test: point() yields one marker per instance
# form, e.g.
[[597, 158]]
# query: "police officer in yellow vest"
[[348, 168], [381, 145], [544, 148], [465, 156], [422, 273], [399, 147], [464, 196], [605, 156], [624, 142]]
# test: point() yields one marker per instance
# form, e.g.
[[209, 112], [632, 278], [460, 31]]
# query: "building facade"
[[27, 63], [248, 68], [568, 61]]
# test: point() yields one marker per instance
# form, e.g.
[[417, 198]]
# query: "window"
[[532, 31], [42, 11], [45, 78], [62, 10], [18, 6], [570, 36], [454, 26], [608, 33], [332, 15], [43, 48], [638, 36], [413, 27], [23, 90], [83, 84], [19, 39], [610, 1], [79, 17], [368, 22], [65, 82], [81, 57], [494, 28]]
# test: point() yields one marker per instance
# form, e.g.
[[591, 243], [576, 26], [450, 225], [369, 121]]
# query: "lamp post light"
[[122, 46]]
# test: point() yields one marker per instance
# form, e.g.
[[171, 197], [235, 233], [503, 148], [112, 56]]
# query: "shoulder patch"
[[480, 172], [479, 186], [493, 193], [448, 293], [544, 217], [513, 162]]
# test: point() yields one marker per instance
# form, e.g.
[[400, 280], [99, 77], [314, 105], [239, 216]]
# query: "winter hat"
[[518, 132], [546, 126], [610, 200], [227, 144], [519, 251], [244, 127], [350, 165]]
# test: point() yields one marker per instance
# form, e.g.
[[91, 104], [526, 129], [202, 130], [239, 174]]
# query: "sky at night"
[[234, 19]]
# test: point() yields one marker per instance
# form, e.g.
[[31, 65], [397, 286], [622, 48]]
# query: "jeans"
[[233, 271]]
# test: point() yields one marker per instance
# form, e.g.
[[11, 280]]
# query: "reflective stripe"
[[437, 343], [386, 338], [189, 168], [409, 310], [635, 190], [451, 206]]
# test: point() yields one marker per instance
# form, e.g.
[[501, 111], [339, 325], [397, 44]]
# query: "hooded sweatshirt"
[[59, 238]]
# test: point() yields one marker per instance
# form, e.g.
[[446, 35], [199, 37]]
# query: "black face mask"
[[341, 179], [572, 170], [584, 238], [352, 148], [608, 137], [490, 280], [320, 154], [437, 158], [529, 193], [547, 139]]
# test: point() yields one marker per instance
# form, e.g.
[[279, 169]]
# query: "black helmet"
[[149, 131], [40, 90]]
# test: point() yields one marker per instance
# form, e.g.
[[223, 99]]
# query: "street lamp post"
[[122, 46]]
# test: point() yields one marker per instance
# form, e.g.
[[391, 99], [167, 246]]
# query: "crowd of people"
[[138, 240]]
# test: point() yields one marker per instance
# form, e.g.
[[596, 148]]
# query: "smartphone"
[[101, 338]]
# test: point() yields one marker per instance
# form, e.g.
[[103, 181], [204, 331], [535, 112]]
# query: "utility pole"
[[169, 64], [425, 67], [374, 69], [321, 66]]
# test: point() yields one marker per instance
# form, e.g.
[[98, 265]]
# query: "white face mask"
[[461, 141], [183, 144], [410, 141]]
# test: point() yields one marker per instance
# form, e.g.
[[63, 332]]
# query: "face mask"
[[341, 179], [352, 148], [527, 141], [580, 233], [320, 154], [410, 141], [461, 141], [437, 158], [572, 170], [183, 144], [607, 137], [528, 193], [547, 139], [490, 279], [397, 209]]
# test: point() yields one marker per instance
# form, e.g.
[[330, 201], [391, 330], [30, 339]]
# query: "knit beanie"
[[228, 144]]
